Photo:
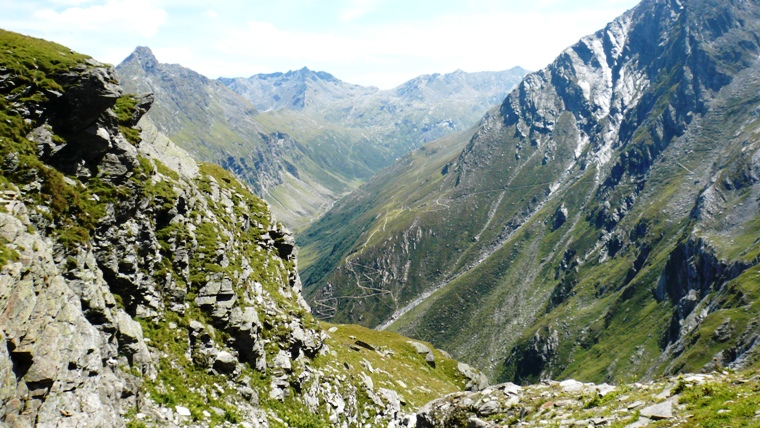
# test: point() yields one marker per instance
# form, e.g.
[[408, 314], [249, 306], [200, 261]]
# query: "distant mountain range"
[[418, 111], [302, 139]]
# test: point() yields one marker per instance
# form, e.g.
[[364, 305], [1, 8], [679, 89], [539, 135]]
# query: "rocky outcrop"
[[146, 288], [63, 339]]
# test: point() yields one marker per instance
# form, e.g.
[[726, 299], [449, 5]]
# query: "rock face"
[[614, 188], [137, 285]]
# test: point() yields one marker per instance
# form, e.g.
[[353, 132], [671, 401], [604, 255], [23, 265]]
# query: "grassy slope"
[[402, 190]]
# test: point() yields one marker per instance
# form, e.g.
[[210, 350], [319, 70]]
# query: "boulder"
[[225, 362]]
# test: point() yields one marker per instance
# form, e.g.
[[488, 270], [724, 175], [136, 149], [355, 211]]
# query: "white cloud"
[[357, 9], [140, 17]]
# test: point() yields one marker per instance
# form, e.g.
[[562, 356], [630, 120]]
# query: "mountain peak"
[[144, 56], [143, 52], [307, 73]]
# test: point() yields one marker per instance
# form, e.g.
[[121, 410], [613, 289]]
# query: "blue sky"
[[370, 42]]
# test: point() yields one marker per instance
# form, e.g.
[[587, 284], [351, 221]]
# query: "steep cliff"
[[601, 223], [139, 287]]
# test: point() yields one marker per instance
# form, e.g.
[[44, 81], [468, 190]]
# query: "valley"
[[304, 139]]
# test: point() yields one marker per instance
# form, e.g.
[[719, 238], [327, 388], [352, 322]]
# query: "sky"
[[379, 43]]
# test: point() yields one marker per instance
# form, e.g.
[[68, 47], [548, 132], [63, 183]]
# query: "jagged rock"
[[157, 146], [642, 422], [90, 91], [43, 137], [392, 402], [131, 341], [249, 394], [278, 388], [183, 411], [423, 349], [560, 216], [477, 381], [50, 341], [282, 362], [605, 389]]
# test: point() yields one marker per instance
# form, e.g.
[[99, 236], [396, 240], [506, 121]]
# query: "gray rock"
[[477, 381], [157, 146], [560, 216], [430, 359], [642, 422], [419, 347], [183, 411], [474, 422], [604, 389], [282, 361], [225, 362], [249, 394], [659, 411], [489, 408], [571, 385]]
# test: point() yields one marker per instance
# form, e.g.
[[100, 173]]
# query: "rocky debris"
[[225, 362], [573, 403]]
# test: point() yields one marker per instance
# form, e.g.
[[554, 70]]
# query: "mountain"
[[400, 119], [302, 89], [301, 154], [288, 157], [602, 223], [141, 288]]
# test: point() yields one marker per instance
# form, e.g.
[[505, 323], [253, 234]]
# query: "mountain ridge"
[[542, 229]]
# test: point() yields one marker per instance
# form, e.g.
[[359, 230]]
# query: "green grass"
[[7, 255], [180, 381], [704, 402], [423, 383], [34, 63], [125, 109]]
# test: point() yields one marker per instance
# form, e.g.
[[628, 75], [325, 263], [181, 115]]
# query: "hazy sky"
[[369, 42]]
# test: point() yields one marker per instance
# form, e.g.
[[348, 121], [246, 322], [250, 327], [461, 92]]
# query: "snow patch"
[[582, 143]]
